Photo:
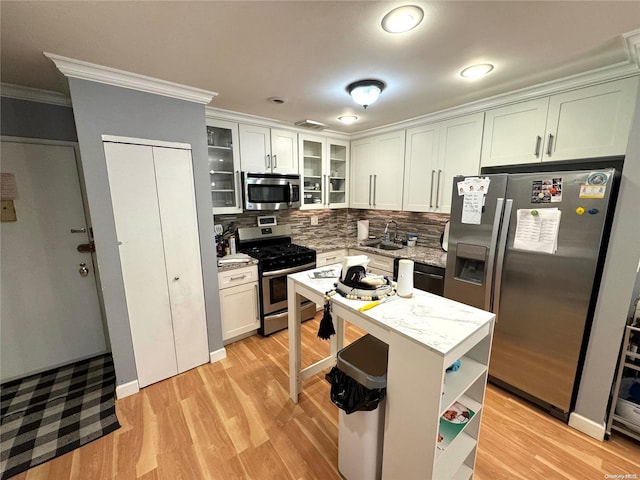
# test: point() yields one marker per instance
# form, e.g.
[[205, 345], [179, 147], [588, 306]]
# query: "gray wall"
[[22, 118], [103, 109], [616, 291]]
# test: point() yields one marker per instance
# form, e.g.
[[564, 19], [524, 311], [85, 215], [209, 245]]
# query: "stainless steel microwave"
[[271, 191]]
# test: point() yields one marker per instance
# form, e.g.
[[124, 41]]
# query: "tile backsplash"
[[340, 225]]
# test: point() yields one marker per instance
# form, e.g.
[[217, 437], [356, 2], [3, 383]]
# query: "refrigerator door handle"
[[502, 244], [492, 252]]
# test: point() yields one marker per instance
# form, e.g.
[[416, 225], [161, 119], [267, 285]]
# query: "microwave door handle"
[[502, 243], [492, 252], [290, 194]]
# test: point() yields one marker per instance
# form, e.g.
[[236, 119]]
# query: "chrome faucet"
[[386, 231]]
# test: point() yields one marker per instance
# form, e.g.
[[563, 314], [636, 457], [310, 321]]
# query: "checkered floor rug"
[[54, 412]]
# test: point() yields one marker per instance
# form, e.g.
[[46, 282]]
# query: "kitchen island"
[[426, 334]]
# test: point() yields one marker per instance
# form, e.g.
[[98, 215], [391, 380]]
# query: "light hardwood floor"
[[234, 420]]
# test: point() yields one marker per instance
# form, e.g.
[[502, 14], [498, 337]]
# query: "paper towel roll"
[[363, 229], [405, 278]]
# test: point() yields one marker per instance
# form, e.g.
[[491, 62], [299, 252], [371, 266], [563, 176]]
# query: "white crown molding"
[[34, 95], [119, 78], [581, 80], [632, 42], [239, 117]]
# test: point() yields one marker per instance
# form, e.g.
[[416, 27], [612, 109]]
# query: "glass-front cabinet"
[[224, 166], [323, 171]]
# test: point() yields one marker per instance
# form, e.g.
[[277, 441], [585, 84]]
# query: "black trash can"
[[358, 387]]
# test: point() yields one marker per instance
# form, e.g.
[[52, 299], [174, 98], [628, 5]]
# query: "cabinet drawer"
[[329, 258], [239, 276]]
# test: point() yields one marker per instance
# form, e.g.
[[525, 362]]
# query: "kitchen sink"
[[388, 246], [381, 244]]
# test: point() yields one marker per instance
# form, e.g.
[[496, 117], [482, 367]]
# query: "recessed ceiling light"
[[402, 19], [277, 100], [475, 71], [348, 119]]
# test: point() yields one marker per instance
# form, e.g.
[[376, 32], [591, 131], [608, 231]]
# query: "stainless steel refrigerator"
[[502, 257]]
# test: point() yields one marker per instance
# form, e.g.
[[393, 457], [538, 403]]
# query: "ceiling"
[[309, 51]]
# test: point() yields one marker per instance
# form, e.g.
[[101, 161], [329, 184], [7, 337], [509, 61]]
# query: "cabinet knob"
[[176, 278]]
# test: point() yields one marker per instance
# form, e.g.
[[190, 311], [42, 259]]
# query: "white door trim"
[[146, 142]]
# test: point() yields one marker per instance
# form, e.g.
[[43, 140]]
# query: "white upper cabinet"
[[435, 154], [513, 134], [377, 171], [592, 122], [270, 150], [587, 122], [323, 170], [224, 166]]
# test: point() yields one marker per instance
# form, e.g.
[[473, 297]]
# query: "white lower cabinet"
[[239, 302], [152, 194], [378, 264]]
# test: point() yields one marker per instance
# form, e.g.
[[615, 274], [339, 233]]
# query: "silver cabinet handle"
[[433, 174], [238, 189], [375, 182], [438, 190], [550, 145], [492, 253], [238, 277], [325, 186], [536, 152], [255, 287], [267, 161], [502, 243], [79, 230], [370, 176], [331, 258], [275, 161]]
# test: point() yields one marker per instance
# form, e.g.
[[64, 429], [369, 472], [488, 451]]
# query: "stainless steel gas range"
[[277, 257]]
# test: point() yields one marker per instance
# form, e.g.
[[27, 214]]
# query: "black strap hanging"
[[326, 328]]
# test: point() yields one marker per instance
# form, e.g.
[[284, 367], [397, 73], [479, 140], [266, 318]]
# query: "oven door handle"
[[286, 271]]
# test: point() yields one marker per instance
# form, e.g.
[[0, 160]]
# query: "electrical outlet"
[[314, 220]]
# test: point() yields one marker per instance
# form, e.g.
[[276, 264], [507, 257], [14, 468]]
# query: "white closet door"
[[176, 197], [132, 181]]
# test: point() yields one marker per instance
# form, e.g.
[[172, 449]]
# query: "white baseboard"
[[218, 355], [591, 428], [127, 389]]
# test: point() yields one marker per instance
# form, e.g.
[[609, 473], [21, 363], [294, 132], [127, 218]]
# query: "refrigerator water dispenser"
[[470, 263]]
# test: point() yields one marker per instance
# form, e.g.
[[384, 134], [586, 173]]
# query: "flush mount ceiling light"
[[365, 92], [476, 71], [402, 19], [348, 119]]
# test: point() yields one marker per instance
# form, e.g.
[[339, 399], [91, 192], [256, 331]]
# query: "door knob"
[[84, 271]]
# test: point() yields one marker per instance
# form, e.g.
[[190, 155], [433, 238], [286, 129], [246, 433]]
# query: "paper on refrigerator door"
[[472, 208], [537, 230]]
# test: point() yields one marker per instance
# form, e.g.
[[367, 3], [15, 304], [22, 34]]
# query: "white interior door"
[[176, 198], [50, 314], [132, 182]]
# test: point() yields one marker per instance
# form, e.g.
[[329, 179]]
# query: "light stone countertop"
[[225, 267], [435, 322], [431, 256]]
